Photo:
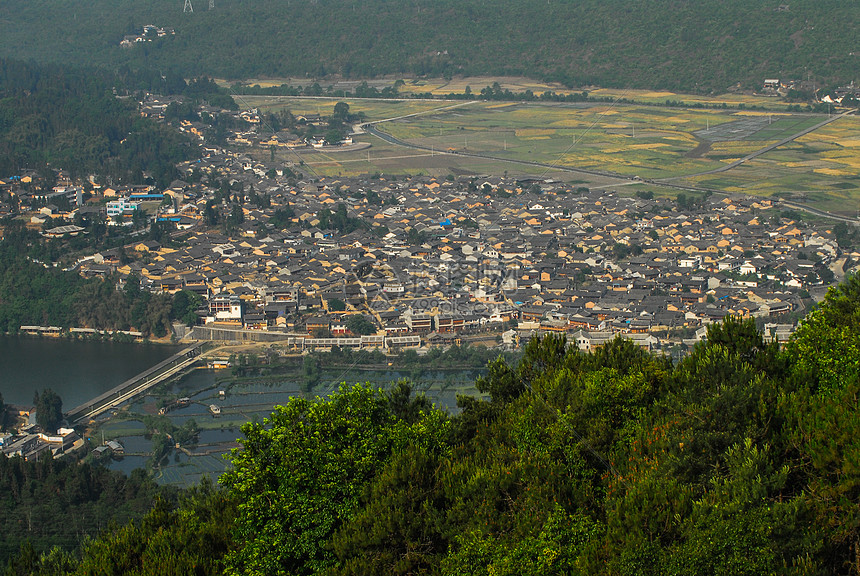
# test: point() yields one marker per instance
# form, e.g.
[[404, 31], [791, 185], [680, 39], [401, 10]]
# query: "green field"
[[651, 142], [822, 168], [373, 108]]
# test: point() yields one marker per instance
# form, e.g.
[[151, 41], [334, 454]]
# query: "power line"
[[587, 130]]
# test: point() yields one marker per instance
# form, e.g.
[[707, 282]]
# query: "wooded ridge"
[[703, 46]]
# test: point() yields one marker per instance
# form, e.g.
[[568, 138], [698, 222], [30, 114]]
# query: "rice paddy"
[[648, 141], [822, 167]]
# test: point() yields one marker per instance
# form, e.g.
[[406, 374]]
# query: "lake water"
[[80, 370], [77, 370]]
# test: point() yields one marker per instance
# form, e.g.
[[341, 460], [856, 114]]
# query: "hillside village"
[[275, 254]]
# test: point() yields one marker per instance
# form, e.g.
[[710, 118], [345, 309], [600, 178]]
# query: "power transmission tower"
[[188, 7], [212, 4]]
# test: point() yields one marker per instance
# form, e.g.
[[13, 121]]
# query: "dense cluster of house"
[[433, 260], [467, 256], [250, 130], [847, 95]]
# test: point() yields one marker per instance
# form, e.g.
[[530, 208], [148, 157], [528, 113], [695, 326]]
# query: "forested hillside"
[[706, 45], [70, 118], [741, 459], [59, 503], [32, 293]]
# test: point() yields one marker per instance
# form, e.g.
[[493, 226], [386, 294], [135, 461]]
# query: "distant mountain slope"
[[672, 44]]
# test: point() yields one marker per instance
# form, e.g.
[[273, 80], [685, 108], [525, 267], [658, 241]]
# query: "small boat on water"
[[215, 409]]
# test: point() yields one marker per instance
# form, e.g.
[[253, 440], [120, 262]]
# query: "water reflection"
[[77, 370]]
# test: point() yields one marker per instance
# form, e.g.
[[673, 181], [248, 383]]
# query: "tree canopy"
[[708, 45], [33, 294], [49, 409], [300, 474], [70, 118]]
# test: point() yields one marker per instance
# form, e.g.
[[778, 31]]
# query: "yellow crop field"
[[657, 94], [533, 132], [373, 109], [679, 119], [651, 142], [846, 128], [833, 172], [759, 113], [686, 138], [649, 146], [442, 86], [850, 159], [735, 148], [658, 97], [572, 122]]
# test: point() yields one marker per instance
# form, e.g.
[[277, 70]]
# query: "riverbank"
[[260, 376], [76, 333]]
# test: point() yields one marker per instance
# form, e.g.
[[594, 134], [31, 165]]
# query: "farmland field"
[[822, 167], [374, 109], [619, 141]]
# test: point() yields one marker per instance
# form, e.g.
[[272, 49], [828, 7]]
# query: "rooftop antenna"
[[188, 7]]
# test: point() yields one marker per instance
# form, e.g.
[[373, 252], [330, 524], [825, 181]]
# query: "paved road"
[[366, 125], [821, 213], [135, 385]]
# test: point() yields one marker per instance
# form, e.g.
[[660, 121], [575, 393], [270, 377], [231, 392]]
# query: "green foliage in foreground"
[[741, 459], [59, 502]]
